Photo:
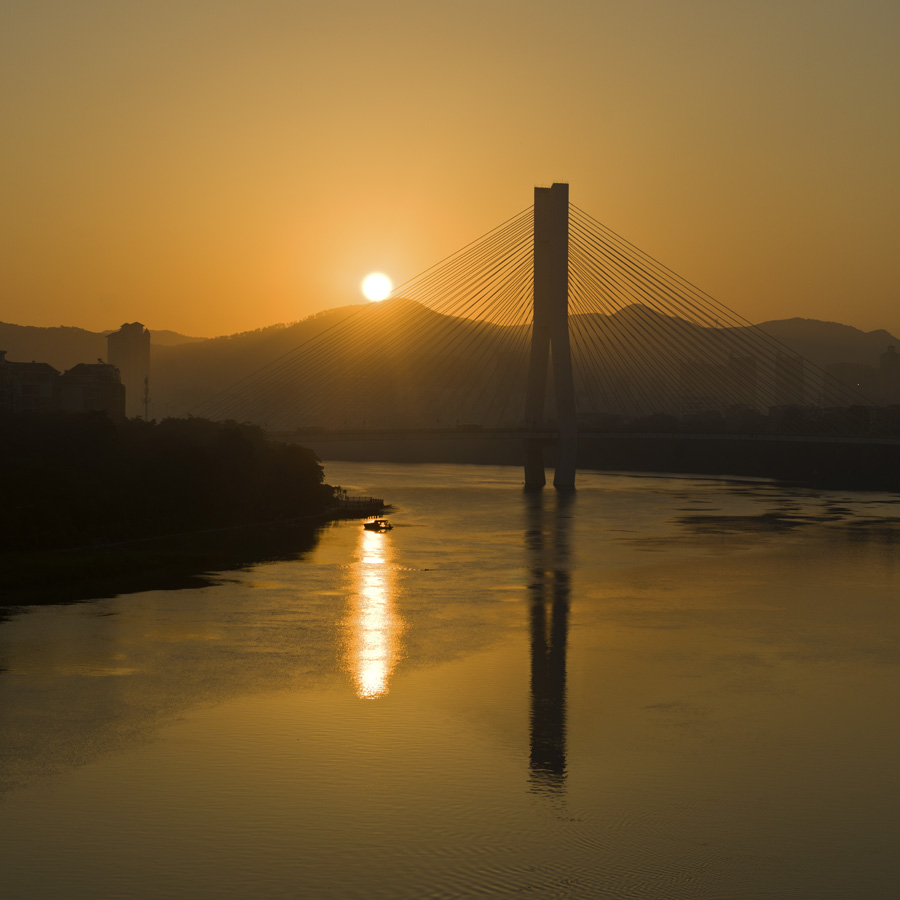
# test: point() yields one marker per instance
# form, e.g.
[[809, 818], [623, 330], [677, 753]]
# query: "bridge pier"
[[550, 338]]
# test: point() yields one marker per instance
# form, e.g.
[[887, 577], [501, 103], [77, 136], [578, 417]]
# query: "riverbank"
[[164, 562]]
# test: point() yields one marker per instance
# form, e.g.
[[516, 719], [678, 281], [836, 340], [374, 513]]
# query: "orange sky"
[[213, 166]]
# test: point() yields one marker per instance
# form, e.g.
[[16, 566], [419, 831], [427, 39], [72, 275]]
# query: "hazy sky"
[[213, 166]]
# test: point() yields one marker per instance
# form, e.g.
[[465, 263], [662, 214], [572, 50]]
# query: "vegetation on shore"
[[83, 480]]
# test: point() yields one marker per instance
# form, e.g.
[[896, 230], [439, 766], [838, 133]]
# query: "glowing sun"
[[376, 286]]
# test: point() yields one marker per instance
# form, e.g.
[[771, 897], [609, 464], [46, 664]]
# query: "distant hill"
[[185, 375], [64, 347], [381, 351], [830, 342], [818, 342], [170, 338], [387, 358]]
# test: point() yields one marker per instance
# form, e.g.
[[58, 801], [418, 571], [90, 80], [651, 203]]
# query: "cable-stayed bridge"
[[549, 325]]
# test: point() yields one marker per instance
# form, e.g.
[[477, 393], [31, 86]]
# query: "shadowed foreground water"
[[658, 687]]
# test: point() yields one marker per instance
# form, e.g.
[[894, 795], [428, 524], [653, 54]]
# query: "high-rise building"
[[128, 349], [28, 386]]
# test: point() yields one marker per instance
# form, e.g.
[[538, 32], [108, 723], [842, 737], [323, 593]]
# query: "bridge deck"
[[465, 434]]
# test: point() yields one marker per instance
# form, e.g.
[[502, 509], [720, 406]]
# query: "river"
[[658, 687]]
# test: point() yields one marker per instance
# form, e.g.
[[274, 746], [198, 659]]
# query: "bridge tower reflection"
[[547, 540]]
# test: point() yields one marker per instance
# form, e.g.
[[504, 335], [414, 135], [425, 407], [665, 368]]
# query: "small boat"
[[378, 525]]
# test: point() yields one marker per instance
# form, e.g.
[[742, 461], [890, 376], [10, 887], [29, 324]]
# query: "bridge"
[[549, 330]]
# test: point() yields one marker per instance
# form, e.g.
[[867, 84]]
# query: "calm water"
[[660, 687]]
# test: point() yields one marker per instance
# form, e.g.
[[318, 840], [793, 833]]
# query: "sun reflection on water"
[[374, 627]]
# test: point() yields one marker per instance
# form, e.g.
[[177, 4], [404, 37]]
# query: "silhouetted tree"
[[70, 479]]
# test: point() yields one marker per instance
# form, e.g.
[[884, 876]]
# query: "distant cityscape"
[[118, 386]]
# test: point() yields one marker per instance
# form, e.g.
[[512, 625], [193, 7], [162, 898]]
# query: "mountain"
[[398, 361], [355, 364], [830, 342], [185, 375], [379, 348], [64, 347], [818, 342], [170, 338]]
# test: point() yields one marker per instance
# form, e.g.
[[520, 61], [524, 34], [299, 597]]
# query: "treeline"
[[851, 421], [74, 480], [833, 465]]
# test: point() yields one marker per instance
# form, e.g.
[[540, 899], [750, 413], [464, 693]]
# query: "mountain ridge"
[[185, 372], [63, 346]]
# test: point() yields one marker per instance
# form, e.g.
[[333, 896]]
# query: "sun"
[[376, 286]]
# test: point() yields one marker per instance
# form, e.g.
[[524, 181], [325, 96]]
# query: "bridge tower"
[[550, 339]]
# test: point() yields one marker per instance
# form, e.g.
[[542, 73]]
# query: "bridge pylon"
[[550, 339]]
